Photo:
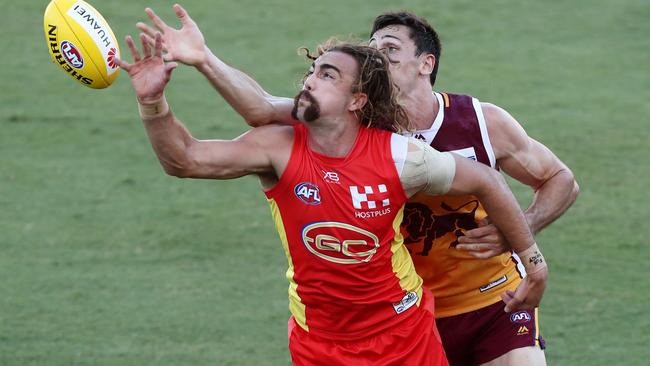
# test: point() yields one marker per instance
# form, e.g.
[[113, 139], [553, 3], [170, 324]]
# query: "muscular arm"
[[244, 94], [491, 189], [183, 156], [532, 164], [433, 172]]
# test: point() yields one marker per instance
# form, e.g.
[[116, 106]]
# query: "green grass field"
[[105, 260]]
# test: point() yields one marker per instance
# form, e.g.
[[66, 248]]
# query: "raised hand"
[[149, 74], [185, 45]]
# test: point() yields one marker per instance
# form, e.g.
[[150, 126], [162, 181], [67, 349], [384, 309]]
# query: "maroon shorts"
[[482, 335], [414, 342]]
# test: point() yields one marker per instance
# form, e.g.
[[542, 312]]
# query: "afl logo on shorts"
[[520, 317], [72, 55], [339, 242], [308, 193]]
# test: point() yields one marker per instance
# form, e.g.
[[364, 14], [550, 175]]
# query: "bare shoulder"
[[506, 134]]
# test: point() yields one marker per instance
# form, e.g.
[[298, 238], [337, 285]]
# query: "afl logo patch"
[[72, 55], [520, 317], [308, 193]]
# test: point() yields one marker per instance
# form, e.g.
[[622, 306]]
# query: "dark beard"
[[312, 112]]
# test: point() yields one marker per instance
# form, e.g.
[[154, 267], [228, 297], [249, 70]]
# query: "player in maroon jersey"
[[434, 227], [473, 325], [355, 297]]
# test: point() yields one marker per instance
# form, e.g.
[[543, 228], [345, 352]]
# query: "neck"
[[334, 137], [420, 105]]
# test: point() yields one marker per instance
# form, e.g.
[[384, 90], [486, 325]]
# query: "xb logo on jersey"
[[339, 242], [331, 177], [308, 193]]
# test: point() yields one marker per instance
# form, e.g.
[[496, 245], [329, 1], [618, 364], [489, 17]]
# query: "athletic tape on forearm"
[[153, 110], [532, 259]]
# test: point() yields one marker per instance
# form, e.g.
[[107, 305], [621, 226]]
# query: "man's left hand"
[[528, 294], [486, 241]]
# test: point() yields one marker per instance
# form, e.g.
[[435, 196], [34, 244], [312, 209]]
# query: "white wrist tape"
[[153, 110], [532, 259]]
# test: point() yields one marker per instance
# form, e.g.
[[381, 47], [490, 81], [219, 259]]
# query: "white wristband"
[[532, 259], [156, 109]]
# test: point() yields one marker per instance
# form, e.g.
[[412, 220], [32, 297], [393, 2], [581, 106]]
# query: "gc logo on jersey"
[[339, 242], [308, 193]]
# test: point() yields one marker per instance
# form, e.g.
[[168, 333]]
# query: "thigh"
[[458, 334], [529, 356], [509, 336]]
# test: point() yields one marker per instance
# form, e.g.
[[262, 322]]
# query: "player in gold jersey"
[[471, 269]]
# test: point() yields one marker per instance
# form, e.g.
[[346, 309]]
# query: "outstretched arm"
[[430, 171], [531, 163], [245, 95], [178, 152]]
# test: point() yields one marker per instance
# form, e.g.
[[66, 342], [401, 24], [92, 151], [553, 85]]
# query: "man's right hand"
[[185, 45], [149, 74]]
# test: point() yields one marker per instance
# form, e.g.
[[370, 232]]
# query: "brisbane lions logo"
[[420, 222]]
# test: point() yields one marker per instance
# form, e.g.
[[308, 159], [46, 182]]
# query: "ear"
[[427, 63], [357, 102]]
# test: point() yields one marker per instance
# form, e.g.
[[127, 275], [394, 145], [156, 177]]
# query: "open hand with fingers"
[[149, 73], [185, 45], [486, 241]]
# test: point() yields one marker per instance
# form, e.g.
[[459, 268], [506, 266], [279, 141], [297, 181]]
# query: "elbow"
[[573, 187], [575, 191], [180, 168], [563, 182], [260, 114], [255, 121], [176, 171], [257, 117]]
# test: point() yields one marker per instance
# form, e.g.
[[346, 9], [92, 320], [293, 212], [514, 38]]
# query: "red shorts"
[[414, 342], [482, 335]]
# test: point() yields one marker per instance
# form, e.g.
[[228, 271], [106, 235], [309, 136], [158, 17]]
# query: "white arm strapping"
[[427, 170]]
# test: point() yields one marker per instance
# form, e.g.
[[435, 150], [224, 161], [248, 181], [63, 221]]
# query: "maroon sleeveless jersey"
[[432, 224]]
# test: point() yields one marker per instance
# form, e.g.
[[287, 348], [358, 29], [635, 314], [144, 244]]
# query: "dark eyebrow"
[[389, 36], [329, 66], [386, 36]]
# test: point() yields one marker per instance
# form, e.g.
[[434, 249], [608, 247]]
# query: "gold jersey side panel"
[[296, 307], [402, 264]]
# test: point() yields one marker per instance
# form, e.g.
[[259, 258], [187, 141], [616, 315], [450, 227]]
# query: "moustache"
[[304, 94], [312, 111]]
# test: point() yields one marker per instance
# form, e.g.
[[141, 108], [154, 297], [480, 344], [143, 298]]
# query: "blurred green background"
[[105, 260]]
